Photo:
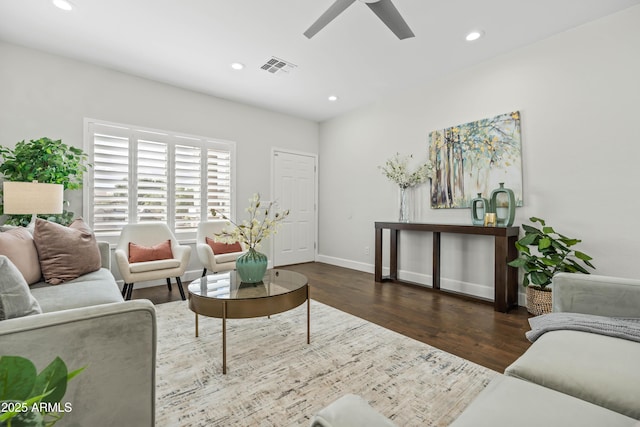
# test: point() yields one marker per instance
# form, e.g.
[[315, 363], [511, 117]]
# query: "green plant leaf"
[[522, 248], [529, 239], [570, 242], [530, 230], [17, 377], [550, 262], [535, 219], [582, 256], [52, 379], [540, 278], [548, 230], [544, 243], [518, 262]]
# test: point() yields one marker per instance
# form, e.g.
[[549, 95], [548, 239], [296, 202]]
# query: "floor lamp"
[[21, 198]]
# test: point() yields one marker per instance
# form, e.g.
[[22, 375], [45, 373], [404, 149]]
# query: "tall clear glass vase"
[[404, 204]]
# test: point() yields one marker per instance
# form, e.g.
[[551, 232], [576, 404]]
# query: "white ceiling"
[[191, 43]]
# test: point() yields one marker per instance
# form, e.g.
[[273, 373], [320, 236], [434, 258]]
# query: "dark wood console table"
[[506, 278]]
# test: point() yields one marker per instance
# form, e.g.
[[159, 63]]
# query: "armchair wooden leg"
[[124, 290], [180, 288], [204, 272], [129, 290], [169, 283]]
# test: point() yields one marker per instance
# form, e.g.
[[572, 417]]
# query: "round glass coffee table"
[[224, 296]]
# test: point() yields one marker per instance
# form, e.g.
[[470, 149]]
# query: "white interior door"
[[295, 189]]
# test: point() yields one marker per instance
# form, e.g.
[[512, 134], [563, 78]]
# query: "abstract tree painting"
[[474, 158]]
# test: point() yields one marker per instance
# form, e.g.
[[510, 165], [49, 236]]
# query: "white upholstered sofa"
[[566, 378], [87, 323]]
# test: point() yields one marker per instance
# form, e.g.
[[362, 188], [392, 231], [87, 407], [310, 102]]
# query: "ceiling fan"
[[385, 10]]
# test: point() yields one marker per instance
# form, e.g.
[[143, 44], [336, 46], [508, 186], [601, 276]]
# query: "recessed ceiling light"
[[237, 66], [474, 35], [62, 4], [332, 98]]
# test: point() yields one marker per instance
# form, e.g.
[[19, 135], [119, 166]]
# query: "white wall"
[[47, 95], [579, 96]]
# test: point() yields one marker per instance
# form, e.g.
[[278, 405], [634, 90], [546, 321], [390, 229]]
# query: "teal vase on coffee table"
[[251, 266]]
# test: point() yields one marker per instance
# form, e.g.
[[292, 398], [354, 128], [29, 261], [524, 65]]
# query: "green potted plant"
[[31, 399], [47, 161], [542, 253]]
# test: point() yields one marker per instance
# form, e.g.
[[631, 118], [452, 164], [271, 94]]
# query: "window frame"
[[172, 138]]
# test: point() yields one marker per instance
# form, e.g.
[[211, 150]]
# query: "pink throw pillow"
[[139, 253], [223, 248]]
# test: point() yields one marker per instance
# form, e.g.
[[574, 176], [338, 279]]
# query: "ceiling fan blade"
[[388, 13], [334, 10]]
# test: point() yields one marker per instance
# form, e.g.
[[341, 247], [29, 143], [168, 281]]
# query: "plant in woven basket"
[[544, 252]]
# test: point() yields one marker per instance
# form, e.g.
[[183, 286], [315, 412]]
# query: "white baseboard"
[[472, 289], [340, 262]]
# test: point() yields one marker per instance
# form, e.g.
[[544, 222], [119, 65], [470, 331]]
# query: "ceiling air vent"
[[278, 66]]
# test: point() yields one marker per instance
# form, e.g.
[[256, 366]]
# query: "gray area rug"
[[275, 379]]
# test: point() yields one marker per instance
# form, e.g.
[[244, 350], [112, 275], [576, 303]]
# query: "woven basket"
[[538, 302]]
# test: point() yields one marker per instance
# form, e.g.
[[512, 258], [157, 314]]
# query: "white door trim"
[[275, 150]]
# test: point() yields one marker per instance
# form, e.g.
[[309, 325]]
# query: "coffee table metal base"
[[246, 308]]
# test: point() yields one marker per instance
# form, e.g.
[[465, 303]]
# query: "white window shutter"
[[152, 181], [187, 188], [218, 182], [110, 182]]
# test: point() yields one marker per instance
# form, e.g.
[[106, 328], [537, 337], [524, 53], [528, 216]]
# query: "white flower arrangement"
[[396, 169], [252, 231]]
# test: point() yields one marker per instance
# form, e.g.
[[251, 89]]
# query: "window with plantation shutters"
[[152, 179], [140, 175], [188, 187], [218, 182]]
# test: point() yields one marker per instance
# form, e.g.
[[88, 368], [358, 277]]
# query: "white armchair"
[[211, 261], [150, 234]]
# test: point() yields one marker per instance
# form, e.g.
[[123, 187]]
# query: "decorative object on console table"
[[490, 219], [252, 265], [479, 207], [503, 203], [396, 169], [543, 253]]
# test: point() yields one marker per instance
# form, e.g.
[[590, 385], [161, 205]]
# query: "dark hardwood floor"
[[458, 325]]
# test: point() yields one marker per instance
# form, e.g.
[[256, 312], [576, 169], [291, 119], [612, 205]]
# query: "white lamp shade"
[[32, 198]]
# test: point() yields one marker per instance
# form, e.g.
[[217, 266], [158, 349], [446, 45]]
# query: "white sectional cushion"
[[95, 288], [163, 264], [230, 257], [512, 402], [350, 411], [595, 368]]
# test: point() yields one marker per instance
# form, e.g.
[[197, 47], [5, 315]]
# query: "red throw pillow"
[[139, 253], [223, 248]]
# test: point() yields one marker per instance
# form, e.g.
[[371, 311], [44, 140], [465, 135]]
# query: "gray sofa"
[[87, 324], [571, 377], [566, 378]]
